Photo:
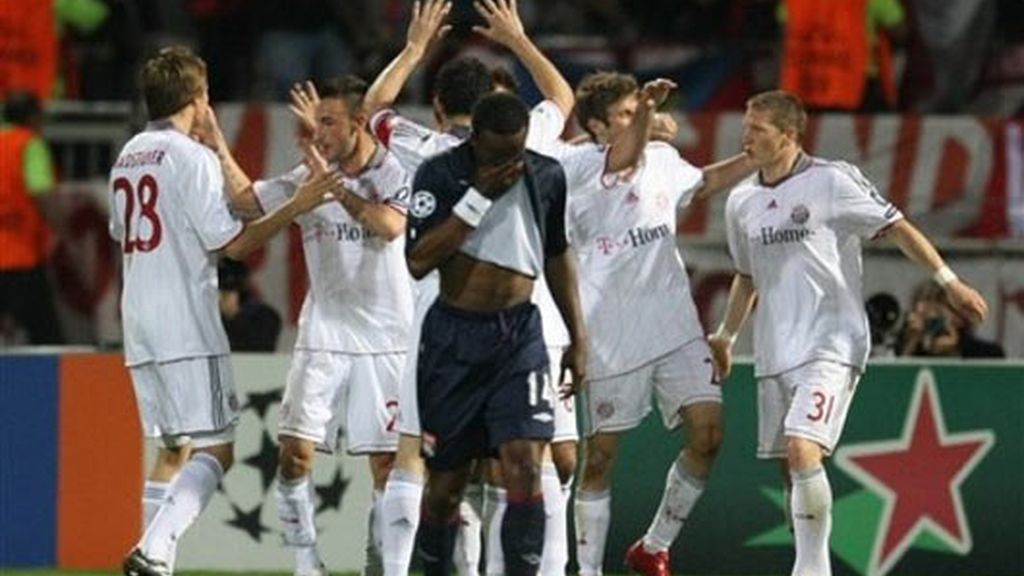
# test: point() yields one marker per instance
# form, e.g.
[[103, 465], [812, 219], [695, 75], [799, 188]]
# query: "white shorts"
[[330, 394], [683, 377], [565, 410], [189, 401], [408, 406], [810, 401]]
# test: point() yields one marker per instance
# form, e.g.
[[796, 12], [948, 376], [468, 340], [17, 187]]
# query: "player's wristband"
[[944, 276], [725, 335], [472, 207]]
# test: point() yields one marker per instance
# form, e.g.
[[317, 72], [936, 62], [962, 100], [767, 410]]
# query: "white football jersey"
[[800, 241], [633, 285], [360, 292], [412, 143], [169, 213]]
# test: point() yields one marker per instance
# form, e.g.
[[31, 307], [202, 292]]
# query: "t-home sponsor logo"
[[634, 238], [342, 232], [772, 235]]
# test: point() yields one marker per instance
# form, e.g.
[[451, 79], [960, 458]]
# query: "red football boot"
[[647, 563]]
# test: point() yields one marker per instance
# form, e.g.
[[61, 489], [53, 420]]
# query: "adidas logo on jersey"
[[632, 198]]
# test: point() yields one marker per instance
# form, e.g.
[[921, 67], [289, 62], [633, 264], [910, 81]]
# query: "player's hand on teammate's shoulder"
[[493, 181], [573, 375], [503, 23], [721, 356], [967, 301], [427, 25]]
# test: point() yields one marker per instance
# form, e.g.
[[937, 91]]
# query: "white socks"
[[556, 531], [296, 511], [593, 513], [374, 556], [682, 490], [153, 495], [495, 503], [812, 522], [186, 498], [468, 541], [400, 517]]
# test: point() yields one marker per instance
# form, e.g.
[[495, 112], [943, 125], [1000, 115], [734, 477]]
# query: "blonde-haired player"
[[795, 232], [168, 212]]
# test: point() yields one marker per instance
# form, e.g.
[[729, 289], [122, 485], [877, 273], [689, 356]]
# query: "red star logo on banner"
[[918, 477]]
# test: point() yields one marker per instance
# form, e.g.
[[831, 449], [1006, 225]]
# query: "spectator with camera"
[[933, 328]]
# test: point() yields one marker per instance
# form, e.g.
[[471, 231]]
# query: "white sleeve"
[[684, 177], [581, 164], [545, 130], [857, 207], [207, 208], [397, 192], [272, 193], [734, 233], [409, 141], [116, 224]]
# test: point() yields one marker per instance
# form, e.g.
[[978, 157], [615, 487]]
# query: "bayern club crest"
[[800, 214]]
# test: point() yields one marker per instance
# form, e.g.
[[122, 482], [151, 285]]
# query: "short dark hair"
[[502, 77], [786, 110], [349, 88], [461, 83], [501, 113], [171, 79], [597, 92], [22, 108]]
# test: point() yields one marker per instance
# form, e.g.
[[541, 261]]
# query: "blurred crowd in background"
[[926, 56]]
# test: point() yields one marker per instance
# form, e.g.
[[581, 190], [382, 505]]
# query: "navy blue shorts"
[[482, 380]]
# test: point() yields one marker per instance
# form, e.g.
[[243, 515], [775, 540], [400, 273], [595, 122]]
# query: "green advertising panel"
[[928, 478]]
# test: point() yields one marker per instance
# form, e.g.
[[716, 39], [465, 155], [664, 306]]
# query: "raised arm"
[[725, 174], [505, 27], [628, 146], [426, 26], [742, 296], [918, 248]]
